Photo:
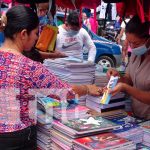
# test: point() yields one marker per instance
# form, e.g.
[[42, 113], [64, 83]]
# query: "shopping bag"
[[45, 38], [51, 46]]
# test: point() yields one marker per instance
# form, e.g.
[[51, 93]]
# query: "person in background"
[[21, 74], [122, 36], [86, 20], [34, 54], [136, 81], [126, 51], [121, 39], [42, 12], [72, 38], [90, 22], [117, 24], [93, 24]]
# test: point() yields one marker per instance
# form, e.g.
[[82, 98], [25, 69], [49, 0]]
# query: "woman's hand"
[[120, 87], [82, 90], [112, 72], [94, 90]]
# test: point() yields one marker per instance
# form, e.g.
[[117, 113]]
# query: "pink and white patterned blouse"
[[18, 75]]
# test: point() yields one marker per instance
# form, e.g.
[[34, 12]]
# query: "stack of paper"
[[101, 79], [72, 70]]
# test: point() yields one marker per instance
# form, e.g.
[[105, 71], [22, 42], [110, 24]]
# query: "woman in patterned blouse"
[[19, 75]]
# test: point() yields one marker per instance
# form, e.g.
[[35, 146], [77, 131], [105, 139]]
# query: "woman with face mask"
[[136, 81]]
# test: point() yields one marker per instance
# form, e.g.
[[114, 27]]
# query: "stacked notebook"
[[104, 141], [128, 129], [82, 127], [44, 130], [146, 128], [62, 110], [72, 70], [71, 111], [110, 114], [60, 141], [116, 102], [64, 133]]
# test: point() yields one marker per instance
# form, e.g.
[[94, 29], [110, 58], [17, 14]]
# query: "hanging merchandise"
[[133, 7], [113, 11], [102, 10], [77, 4], [108, 11]]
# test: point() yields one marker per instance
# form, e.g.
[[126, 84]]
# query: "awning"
[[124, 7]]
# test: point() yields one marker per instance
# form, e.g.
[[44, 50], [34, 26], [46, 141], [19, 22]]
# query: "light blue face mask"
[[140, 50], [73, 32]]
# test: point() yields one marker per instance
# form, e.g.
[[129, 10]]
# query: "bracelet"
[[87, 89]]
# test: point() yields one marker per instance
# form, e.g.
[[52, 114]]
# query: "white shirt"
[[71, 43], [123, 25]]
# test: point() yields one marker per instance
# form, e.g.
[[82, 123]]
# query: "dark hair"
[[73, 19], [138, 28], [18, 18]]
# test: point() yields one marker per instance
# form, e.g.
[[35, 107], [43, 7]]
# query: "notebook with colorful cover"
[[71, 108], [145, 125], [48, 102], [102, 141], [126, 123], [111, 84], [87, 125], [71, 111]]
